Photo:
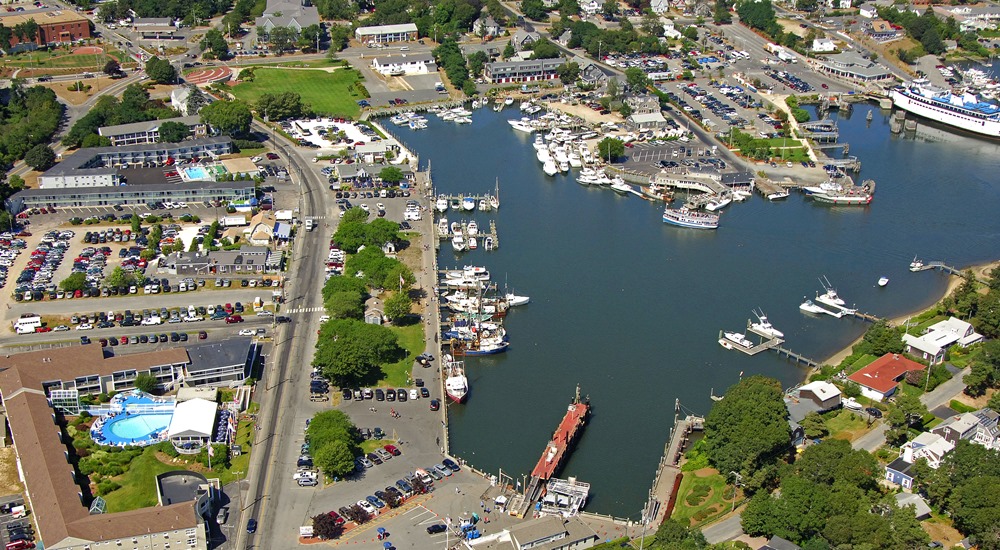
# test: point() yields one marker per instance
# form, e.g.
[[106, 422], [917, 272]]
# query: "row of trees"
[[134, 106], [191, 12], [449, 56]]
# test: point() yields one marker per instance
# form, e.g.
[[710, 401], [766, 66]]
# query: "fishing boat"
[[458, 243], [472, 228], [550, 168], [468, 203], [472, 243], [683, 217], [488, 244], [456, 385], [443, 227], [838, 194], [657, 191], [469, 271], [441, 204], [490, 345], [809, 306], [764, 327], [738, 339], [830, 296], [883, 280], [619, 186], [916, 265]]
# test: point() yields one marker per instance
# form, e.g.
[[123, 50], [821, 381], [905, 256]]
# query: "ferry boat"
[[688, 218], [764, 327], [966, 112], [456, 385]]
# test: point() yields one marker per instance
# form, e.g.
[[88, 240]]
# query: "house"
[[880, 30], [823, 395], [659, 6], [646, 121], [979, 427], [400, 65], [642, 104], [260, 232], [778, 543], [879, 378], [920, 507], [543, 533], [868, 11], [929, 446], [293, 14], [593, 74], [485, 25], [590, 7], [670, 31], [898, 472], [823, 45], [522, 39], [180, 97], [381, 34], [935, 341]]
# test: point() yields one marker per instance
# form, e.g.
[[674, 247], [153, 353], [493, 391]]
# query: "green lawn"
[[327, 93], [62, 59], [701, 498], [138, 484], [846, 425], [411, 337], [862, 361]]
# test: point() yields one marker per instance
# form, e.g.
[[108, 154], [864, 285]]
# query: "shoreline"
[[953, 282]]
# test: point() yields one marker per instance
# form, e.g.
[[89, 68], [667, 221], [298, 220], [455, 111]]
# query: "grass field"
[[62, 59], [328, 93], [138, 484], [846, 425], [701, 497], [411, 337]]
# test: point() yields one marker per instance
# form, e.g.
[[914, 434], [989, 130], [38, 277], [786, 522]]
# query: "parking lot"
[[16, 530]]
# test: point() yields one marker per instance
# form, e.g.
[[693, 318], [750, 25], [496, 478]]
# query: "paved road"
[[139, 302], [727, 529]]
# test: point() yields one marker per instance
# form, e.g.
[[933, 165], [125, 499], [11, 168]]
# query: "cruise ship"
[[965, 111]]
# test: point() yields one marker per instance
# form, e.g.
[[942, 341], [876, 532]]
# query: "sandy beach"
[[981, 271]]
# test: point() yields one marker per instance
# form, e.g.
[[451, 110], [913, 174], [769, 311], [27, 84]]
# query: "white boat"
[[777, 196], [509, 100], [495, 201], [443, 227], [688, 218], [468, 203], [619, 185], [515, 300], [830, 296], [456, 385], [883, 280], [441, 204], [472, 228], [810, 307], [472, 243], [539, 143], [488, 244], [739, 339], [764, 327], [464, 120], [574, 160], [718, 203], [543, 156], [587, 176], [550, 168], [965, 111], [458, 243], [521, 126], [563, 166], [916, 265], [456, 228], [483, 205]]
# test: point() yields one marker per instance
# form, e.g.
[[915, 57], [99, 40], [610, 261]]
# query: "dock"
[[555, 454], [945, 268], [668, 473], [798, 358], [763, 346]]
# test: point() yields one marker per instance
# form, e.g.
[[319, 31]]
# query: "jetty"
[[943, 267], [763, 346], [797, 357], [555, 454], [668, 473]]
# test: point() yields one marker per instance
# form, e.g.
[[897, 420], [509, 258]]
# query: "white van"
[[27, 324]]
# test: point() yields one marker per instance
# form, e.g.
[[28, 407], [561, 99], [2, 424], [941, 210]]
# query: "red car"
[[272, 156], [234, 319], [392, 450]]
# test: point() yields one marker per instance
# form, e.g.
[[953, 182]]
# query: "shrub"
[[106, 487]]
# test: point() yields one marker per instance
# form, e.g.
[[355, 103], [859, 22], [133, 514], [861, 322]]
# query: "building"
[[978, 427], [935, 341], [542, 533], [362, 172], [880, 30], [670, 32], [400, 65], [929, 446], [593, 74], [485, 25], [293, 14], [30, 385], [823, 45], [155, 28], [971, 17], [221, 363], [138, 133], [191, 425], [660, 6], [248, 260], [54, 27], [134, 193], [778, 543], [646, 121], [522, 39], [868, 11], [381, 34], [898, 472], [823, 395], [920, 507], [851, 66], [643, 104], [590, 7], [180, 96], [183, 486], [99, 166], [522, 71], [879, 378]]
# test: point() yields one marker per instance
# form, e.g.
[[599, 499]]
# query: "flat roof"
[[136, 187], [229, 352], [402, 59], [45, 17], [386, 29], [180, 486], [83, 156]]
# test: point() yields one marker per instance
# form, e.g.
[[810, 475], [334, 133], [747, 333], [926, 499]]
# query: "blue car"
[[375, 502], [450, 464], [252, 526]]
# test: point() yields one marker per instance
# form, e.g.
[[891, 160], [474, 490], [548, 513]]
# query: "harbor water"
[[631, 308]]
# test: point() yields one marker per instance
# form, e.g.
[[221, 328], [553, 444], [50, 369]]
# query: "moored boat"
[[472, 243], [550, 168], [764, 327], [456, 385], [883, 280], [619, 186], [458, 243], [684, 217], [468, 203], [441, 205], [738, 339]]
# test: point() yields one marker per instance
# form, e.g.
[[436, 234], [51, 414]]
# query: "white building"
[[400, 65], [138, 133], [823, 45], [191, 425], [669, 31], [868, 11], [935, 341], [486, 26], [660, 6], [929, 446], [979, 427], [590, 7], [386, 33]]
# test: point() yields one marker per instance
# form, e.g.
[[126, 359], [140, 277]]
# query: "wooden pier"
[[798, 358], [763, 346], [945, 268], [668, 474]]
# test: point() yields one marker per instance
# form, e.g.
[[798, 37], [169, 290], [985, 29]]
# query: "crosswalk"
[[306, 309]]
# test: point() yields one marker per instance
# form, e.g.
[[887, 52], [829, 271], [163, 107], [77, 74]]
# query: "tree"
[[161, 71], [195, 101], [119, 278], [534, 10], [881, 339], [40, 157], [636, 79], [609, 9], [975, 507], [146, 382], [391, 174], [337, 284], [216, 43], [749, 428], [173, 132], [568, 72], [610, 148], [335, 458], [281, 106], [931, 41], [228, 117], [76, 281], [345, 305], [329, 426], [508, 51], [814, 426], [112, 67], [544, 49], [350, 352], [325, 527], [136, 224], [806, 5], [311, 36], [690, 32], [281, 38], [397, 307], [477, 61]]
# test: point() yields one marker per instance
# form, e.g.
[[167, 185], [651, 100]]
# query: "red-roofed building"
[[879, 379]]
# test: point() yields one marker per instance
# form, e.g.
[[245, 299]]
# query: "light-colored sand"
[[981, 271], [584, 112]]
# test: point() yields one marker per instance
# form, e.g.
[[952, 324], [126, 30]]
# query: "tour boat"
[[456, 385], [764, 327], [883, 280], [687, 218], [468, 203], [441, 204], [965, 111]]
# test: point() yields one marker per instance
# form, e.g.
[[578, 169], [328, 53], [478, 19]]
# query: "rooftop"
[[46, 17], [229, 352], [883, 373], [147, 126], [387, 29], [195, 417], [78, 160]]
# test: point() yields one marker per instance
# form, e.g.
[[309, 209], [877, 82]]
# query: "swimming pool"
[[132, 418], [137, 426], [196, 173]]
